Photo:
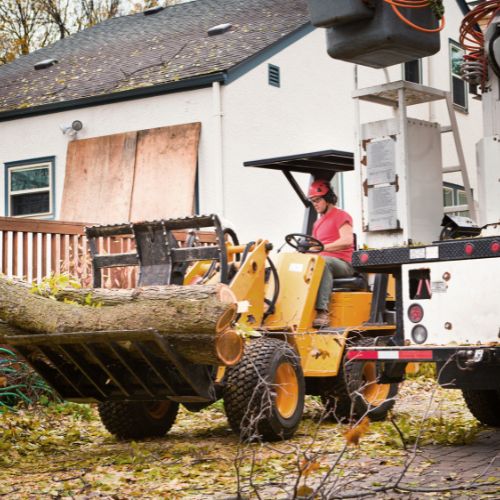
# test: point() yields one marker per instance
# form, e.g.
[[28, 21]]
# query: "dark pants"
[[334, 268]]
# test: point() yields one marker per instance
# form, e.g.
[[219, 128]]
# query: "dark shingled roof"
[[143, 52]]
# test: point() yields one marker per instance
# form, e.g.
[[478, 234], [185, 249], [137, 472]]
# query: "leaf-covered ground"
[[62, 451]]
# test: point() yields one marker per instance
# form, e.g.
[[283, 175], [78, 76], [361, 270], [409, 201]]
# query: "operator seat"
[[358, 282]]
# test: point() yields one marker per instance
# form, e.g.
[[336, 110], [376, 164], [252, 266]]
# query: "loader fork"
[[160, 257]]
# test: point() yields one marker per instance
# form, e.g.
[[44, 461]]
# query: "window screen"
[[29, 186]]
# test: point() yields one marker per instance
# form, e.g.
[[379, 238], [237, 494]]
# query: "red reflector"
[[469, 248], [415, 313], [403, 354], [495, 247], [364, 257], [362, 355]]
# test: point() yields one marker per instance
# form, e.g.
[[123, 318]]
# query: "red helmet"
[[318, 188]]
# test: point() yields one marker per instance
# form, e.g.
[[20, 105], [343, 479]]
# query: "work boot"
[[322, 319]]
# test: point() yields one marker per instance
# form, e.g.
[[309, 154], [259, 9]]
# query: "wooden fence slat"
[[5, 252], [34, 257], [25, 256], [15, 254], [44, 252], [55, 254]]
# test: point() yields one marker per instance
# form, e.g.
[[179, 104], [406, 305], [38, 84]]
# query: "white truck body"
[[463, 306]]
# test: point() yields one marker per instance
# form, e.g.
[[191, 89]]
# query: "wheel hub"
[[158, 409], [287, 390]]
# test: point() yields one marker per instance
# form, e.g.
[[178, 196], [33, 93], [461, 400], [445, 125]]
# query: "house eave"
[[253, 61], [137, 93]]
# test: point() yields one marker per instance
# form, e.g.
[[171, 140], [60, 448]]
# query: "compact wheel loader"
[[139, 378]]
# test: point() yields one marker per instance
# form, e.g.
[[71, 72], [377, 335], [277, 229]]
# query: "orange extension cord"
[[414, 4], [472, 38]]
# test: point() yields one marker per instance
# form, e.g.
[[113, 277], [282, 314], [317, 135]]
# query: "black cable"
[[272, 303]]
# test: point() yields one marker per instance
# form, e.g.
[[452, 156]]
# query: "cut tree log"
[[196, 319]]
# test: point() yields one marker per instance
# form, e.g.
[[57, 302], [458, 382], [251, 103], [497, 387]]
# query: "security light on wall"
[[72, 129]]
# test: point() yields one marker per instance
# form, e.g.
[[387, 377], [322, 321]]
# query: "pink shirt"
[[326, 230]]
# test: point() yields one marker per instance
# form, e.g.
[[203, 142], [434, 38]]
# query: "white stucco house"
[[259, 86]]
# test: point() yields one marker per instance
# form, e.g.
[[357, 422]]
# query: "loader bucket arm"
[[159, 255]]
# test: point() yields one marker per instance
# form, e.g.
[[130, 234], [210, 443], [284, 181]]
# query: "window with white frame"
[[459, 88], [454, 196], [29, 188], [448, 199]]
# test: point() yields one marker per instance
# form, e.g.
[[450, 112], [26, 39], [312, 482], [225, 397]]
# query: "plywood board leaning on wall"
[[134, 176], [99, 179], [165, 172]]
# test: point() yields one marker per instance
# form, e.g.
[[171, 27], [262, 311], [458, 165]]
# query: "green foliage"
[[425, 371], [441, 430], [247, 332], [437, 8], [77, 411], [89, 301], [51, 285]]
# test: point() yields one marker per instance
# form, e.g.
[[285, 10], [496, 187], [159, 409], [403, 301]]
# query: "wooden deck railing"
[[33, 249]]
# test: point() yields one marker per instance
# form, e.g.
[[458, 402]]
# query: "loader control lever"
[[304, 243]]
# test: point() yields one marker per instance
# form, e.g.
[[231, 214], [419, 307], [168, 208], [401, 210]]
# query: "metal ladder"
[[401, 94]]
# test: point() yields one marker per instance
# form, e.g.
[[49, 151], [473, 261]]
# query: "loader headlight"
[[419, 334]]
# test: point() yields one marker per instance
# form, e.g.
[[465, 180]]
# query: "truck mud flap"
[[115, 366]]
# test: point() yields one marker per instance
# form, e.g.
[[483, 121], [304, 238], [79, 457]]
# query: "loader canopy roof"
[[321, 164]]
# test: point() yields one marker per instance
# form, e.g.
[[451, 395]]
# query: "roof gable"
[[153, 52]]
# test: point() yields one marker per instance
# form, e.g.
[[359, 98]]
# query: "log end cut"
[[229, 347]]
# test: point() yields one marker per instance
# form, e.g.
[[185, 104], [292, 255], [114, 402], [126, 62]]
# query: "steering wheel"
[[304, 243]]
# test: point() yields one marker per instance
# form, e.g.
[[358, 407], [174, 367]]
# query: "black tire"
[[353, 393], [264, 393], [137, 419], [484, 405]]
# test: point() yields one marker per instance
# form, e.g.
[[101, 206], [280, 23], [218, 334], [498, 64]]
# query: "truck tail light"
[[495, 247], [415, 313], [419, 334], [364, 257], [469, 248]]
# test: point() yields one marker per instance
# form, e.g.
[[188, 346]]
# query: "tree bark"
[[195, 319]]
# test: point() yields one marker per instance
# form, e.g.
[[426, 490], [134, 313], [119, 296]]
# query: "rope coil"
[[475, 65], [21, 383], [435, 5]]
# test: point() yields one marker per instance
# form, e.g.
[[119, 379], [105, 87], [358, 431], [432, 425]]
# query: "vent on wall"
[[274, 75]]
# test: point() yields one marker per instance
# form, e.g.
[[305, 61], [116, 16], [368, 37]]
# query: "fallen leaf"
[[304, 491], [353, 434], [309, 466]]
